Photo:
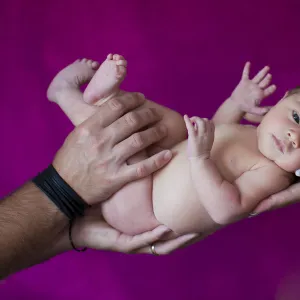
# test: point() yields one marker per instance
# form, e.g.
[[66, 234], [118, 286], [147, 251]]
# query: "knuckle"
[[138, 96], [141, 171], [156, 133], [115, 104], [137, 140], [150, 113], [83, 131], [132, 118]]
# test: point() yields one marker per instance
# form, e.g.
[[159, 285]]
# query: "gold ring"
[[152, 249]]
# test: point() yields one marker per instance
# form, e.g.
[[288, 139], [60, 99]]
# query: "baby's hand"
[[201, 137], [249, 93]]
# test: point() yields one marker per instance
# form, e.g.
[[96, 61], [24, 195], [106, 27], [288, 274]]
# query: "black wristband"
[[71, 240], [60, 193]]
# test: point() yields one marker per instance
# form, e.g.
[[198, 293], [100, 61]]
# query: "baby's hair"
[[293, 91]]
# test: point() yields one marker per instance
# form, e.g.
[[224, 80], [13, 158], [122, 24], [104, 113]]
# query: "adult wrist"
[[60, 193]]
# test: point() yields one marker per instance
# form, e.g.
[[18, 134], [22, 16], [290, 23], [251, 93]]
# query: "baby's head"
[[279, 132]]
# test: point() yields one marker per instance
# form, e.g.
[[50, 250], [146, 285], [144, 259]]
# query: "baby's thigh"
[[174, 123], [130, 210]]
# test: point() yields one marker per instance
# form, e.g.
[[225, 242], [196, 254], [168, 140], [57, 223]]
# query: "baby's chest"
[[235, 154]]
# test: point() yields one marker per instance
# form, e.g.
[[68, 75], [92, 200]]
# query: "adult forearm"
[[29, 224]]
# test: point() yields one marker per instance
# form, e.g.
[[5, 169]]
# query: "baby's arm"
[[246, 98], [226, 202]]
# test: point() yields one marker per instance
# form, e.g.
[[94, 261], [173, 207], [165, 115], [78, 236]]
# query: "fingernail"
[[168, 155], [141, 95]]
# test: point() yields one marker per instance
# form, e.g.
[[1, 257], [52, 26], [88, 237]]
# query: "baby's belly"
[[168, 197], [175, 202]]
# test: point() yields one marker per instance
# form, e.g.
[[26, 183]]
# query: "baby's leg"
[[131, 210], [173, 121], [65, 89], [106, 82]]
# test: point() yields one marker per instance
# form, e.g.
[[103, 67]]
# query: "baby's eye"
[[296, 117]]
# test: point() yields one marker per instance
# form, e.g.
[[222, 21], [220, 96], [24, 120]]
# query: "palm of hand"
[[249, 93]]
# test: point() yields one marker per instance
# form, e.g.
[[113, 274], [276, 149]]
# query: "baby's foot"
[[107, 80], [65, 89], [72, 77]]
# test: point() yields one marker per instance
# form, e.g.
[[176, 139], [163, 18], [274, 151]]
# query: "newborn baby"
[[217, 176]]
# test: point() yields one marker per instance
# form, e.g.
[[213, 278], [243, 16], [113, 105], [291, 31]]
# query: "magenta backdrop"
[[187, 55]]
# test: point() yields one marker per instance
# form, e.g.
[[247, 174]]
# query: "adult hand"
[[93, 158], [288, 196], [93, 232]]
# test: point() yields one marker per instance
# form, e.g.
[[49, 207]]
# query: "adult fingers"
[[138, 141], [115, 108], [166, 247], [132, 243], [146, 167], [286, 197], [131, 123]]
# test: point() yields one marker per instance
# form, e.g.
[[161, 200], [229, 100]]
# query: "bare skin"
[[187, 208], [88, 231]]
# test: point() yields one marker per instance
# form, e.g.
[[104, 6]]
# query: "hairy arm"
[[29, 222]]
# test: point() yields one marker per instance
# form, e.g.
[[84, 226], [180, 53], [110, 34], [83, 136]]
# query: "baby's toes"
[[121, 71]]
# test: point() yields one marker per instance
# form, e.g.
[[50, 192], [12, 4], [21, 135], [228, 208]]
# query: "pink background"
[[187, 55]]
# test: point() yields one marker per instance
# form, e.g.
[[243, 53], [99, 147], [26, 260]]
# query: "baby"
[[217, 176]]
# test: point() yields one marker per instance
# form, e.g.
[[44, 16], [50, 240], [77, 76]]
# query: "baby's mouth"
[[279, 144]]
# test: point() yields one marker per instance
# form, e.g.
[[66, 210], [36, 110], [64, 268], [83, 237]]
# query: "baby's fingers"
[[199, 125], [203, 126], [270, 90], [261, 75], [190, 127], [266, 81], [194, 130], [246, 70]]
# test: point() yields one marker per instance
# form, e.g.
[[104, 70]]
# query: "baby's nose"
[[294, 138]]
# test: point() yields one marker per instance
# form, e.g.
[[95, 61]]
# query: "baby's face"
[[279, 134]]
